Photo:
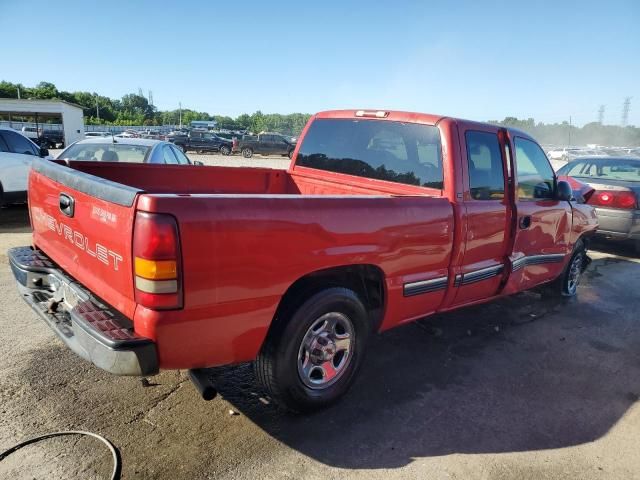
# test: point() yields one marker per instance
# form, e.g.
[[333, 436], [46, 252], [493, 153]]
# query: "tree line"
[[565, 134], [135, 109]]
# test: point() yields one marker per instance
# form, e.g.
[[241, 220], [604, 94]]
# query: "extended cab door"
[[488, 213], [543, 224]]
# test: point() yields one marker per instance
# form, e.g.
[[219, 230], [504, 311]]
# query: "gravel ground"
[[522, 388]]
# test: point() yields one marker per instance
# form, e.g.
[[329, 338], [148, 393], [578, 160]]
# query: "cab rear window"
[[408, 153]]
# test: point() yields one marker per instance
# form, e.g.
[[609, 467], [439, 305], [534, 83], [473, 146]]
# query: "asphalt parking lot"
[[522, 388]]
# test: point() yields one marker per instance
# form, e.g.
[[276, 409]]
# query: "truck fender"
[[368, 281]]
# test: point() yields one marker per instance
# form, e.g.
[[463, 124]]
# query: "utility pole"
[[18, 93], [626, 106], [569, 131], [97, 109], [180, 110], [601, 114]]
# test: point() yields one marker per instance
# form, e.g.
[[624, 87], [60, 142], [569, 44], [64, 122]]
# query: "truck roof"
[[402, 116]]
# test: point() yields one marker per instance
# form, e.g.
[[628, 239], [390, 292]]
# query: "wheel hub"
[[326, 350], [323, 349], [574, 274]]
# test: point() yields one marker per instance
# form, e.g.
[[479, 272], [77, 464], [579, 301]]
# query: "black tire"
[[247, 152], [225, 150], [183, 148], [566, 285], [279, 365], [290, 154]]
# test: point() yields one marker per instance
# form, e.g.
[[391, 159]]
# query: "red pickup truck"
[[383, 218]]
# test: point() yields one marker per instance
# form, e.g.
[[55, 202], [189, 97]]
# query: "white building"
[[69, 115]]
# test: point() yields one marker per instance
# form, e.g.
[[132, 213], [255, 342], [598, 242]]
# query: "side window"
[[3, 144], [182, 158], [18, 144], [486, 171], [535, 175], [167, 154]]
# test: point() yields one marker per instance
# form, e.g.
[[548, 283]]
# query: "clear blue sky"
[[475, 59]]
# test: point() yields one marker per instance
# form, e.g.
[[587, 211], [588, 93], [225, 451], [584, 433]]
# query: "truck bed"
[[182, 179]]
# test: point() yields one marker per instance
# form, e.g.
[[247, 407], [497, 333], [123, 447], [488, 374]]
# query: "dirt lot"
[[522, 388]]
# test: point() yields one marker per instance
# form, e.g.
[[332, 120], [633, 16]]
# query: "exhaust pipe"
[[202, 383]]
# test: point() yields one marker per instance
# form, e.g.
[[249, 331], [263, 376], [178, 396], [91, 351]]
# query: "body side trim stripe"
[[536, 260], [425, 286]]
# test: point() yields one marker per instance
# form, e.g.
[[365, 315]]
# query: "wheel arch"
[[366, 280]]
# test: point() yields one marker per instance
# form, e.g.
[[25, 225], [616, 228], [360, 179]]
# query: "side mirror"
[[197, 162], [564, 191], [44, 152]]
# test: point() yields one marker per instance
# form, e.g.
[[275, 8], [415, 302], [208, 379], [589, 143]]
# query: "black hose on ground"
[[117, 466]]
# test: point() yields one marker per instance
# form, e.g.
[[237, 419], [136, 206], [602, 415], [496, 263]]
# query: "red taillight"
[[156, 261], [626, 200], [604, 198], [613, 199]]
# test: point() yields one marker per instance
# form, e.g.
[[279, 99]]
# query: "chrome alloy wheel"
[[573, 279], [326, 350]]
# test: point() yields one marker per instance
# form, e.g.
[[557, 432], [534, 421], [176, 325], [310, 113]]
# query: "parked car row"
[[204, 141], [560, 156]]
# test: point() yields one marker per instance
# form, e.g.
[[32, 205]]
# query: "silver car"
[[616, 181], [133, 150]]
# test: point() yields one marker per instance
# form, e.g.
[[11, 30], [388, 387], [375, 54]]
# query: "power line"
[[626, 107]]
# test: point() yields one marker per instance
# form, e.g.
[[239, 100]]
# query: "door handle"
[[524, 222]]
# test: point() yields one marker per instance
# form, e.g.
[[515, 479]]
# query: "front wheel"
[[312, 353], [566, 285], [247, 152]]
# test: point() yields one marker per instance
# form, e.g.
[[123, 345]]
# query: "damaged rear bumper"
[[93, 330]]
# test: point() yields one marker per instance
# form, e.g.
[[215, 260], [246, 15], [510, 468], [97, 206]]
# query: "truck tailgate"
[[84, 223]]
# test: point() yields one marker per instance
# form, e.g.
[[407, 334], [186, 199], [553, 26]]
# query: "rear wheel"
[[312, 353], [225, 150], [247, 152], [290, 154]]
